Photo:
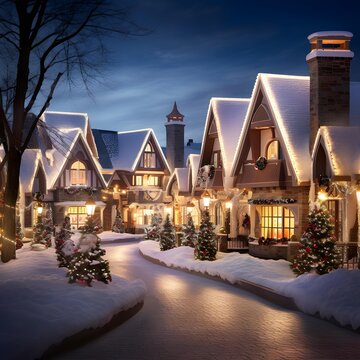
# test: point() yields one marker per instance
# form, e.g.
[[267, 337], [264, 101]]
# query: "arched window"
[[149, 157], [78, 173], [272, 152]]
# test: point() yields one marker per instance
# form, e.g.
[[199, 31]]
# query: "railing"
[[350, 254], [240, 243]]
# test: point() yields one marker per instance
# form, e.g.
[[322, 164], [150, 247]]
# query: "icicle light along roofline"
[[329, 146], [279, 119]]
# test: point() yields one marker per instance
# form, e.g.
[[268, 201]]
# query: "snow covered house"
[[137, 172], [61, 163], [267, 156]]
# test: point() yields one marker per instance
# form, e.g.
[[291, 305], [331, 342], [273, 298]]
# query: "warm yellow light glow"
[[228, 205], [206, 198], [168, 210], [90, 206], [40, 208], [189, 207], [322, 195]]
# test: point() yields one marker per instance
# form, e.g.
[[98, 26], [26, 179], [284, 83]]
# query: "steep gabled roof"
[[229, 116], [30, 162], [193, 163], [342, 147], [70, 120], [288, 100], [181, 176], [122, 150]]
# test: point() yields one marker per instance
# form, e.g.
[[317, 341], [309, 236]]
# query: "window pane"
[[273, 151]]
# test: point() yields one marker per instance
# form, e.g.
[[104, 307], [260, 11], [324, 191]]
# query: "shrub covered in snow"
[[167, 235], [190, 235], [205, 248]]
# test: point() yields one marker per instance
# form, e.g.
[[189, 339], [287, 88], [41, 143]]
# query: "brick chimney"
[[329, 65]]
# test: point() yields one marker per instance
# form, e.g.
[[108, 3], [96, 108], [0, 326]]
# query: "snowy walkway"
[[190, 317]]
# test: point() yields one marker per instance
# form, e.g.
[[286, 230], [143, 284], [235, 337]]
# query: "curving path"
[[190, 317]]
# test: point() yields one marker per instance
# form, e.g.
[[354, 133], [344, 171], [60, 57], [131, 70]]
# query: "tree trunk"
[[8, 251]]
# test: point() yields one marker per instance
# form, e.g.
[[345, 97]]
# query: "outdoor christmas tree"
[[87, 263], [190, 235], [61, 237], [153, 231], [19, 234], [205, 247], [48, 227], [38, 241], [317, 249], [167, 235], [118, 226]]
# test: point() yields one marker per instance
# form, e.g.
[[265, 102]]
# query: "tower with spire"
[[175, 138]]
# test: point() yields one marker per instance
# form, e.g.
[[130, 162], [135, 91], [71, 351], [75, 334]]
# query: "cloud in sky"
[[199, 49]]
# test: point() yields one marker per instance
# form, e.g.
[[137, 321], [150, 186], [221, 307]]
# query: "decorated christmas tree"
[[167, 235], [19, 234], [153, 231], [38, 241], [87, 263], [205, 247], [48, 227], [118, 226], [62, 246], [190, 235], [317, 249]]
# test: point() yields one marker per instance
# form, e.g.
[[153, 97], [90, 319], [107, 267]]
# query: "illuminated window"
[[152, 180], [78, 173], [217, 159], [149, 157], [77, 215], [277, 222], [273, 150], [137, 180]]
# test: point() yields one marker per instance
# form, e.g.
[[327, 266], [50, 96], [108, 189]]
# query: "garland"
[[71, 190], [271, 201], [260, 163]]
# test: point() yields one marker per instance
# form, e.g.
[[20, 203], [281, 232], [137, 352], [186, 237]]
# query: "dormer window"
[[149, 157], [78, 173]]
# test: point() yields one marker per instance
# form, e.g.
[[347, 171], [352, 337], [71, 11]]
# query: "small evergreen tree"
[[87, 263], [38, 233], [153, 231], [118, 226], [61, 237], [317, 249], [48, 227], [19, 234], [167, 235], [190, 235], [205, 247]]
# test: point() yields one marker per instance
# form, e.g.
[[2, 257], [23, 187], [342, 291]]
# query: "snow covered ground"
[[109, 236], [334, 295], [39, 308]]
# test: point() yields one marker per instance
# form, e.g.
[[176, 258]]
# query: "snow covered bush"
[[118, 225], [167, 235], [62, 238], [317, 249], [205, 247], [153, 231]]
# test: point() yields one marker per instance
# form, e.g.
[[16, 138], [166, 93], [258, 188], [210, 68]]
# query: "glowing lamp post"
[[40, 208], [90, 206], [206, 199]]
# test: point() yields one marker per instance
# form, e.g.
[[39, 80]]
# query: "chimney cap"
[[346, 35]]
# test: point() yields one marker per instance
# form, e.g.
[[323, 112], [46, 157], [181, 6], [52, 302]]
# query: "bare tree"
[[43, 42]]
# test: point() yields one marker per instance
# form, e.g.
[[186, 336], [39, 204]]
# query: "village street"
[[190, 317]]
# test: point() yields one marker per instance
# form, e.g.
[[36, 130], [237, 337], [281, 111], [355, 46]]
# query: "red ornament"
[[308, 250]]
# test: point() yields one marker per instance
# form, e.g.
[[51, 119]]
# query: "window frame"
[[277, 220], [75, 174]]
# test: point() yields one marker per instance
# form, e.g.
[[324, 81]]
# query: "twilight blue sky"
[[200, 49]]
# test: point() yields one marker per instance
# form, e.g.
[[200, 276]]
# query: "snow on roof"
[[343, 148], [289, 101], [326, 34], [229, 115], [288, 98], [122, 150], [329, 53], [70, 120], [193, 163], [29, 165], [182, 176]]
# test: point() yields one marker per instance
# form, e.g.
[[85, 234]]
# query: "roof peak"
[[175, 114]]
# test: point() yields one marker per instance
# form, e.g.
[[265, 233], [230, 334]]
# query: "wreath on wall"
[[260, 163], [71, 190]]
